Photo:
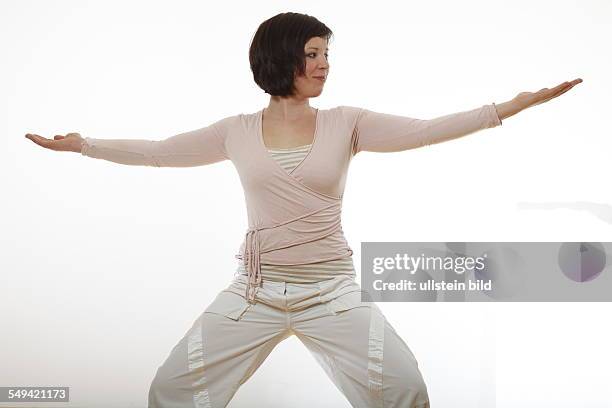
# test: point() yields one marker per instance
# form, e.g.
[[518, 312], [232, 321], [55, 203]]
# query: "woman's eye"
[[313, 55]]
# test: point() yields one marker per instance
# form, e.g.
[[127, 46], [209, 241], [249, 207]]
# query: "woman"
[[295, 273]]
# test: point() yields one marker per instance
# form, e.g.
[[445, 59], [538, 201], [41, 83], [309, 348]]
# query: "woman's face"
[[316, 53]]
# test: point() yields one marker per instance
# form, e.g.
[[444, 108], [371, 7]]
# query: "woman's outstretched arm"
[[381, 132], [194, 148]]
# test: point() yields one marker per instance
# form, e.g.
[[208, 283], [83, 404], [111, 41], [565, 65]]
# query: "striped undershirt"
[[288, 159]]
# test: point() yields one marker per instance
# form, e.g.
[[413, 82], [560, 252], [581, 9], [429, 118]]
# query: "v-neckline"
[[269, 156]]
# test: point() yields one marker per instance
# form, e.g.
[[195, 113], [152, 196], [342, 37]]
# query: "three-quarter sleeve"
[[382, 132], [194, 148]]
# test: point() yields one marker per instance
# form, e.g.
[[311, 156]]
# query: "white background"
[[104, 267]]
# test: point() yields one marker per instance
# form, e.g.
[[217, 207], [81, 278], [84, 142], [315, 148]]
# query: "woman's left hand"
[[528, 99]]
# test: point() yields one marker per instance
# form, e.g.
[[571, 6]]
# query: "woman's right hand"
[[69, 143]]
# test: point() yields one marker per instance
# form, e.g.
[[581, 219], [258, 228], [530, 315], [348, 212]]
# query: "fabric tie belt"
[[251, 257]]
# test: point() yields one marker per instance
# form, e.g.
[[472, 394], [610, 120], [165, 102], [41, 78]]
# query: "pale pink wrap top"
[[294, 217]]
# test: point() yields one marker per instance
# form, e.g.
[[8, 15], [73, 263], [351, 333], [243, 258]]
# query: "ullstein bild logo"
[[486, 271]]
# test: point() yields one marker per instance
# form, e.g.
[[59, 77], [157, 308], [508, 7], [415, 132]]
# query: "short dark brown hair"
[[277, 53]]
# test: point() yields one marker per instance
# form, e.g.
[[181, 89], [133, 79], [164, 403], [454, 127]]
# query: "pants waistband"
[[309, 273]]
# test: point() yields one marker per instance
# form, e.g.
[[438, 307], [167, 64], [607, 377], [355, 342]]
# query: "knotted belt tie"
[[251, 256]]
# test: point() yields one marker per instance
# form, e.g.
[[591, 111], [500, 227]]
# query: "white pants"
[[353, 342]]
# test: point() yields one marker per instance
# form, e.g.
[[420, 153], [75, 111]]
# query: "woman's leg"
[[363, 355], [221, 351]]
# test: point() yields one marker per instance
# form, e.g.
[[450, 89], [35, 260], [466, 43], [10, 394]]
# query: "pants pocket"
[[230, 305], [346, 302]]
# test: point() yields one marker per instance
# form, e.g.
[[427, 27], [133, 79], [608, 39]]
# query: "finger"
[[551, 93], [556, 94], [40, 140], [564, 91], [58, 137], [32, 137], [565, 85], [567, 88]]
